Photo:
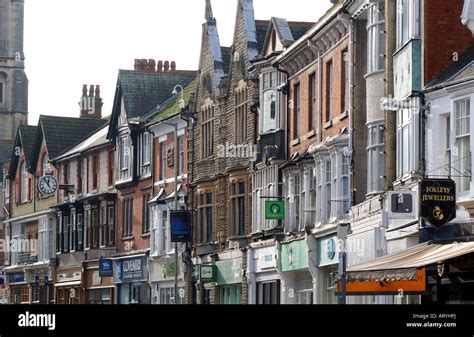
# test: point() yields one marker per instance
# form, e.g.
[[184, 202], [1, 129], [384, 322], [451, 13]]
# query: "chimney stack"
[[151, 65], [173, 66], [91, 105], [167, 66]]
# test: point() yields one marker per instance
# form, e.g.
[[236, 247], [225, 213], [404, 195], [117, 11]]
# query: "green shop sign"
[[274, 209], [229, 271], [207, 273], [293, 255]]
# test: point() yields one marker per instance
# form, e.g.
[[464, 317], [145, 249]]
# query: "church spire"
[[208, 15]]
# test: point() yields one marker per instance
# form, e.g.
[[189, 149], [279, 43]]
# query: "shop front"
[[162, 280], [229, 281], [98, 276], [328, 262], [296, 280], [131, 280], [69, 286], [264, 281], [18, 288]]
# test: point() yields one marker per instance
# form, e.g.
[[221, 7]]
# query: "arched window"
[[45, 164], [23, 183]]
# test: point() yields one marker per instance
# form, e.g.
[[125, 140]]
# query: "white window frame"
[[24, 182], [375, 157], [462, 162], [124, 153], [270, 98], [411, 126], [411, 20], [145, 148], [375, 37]]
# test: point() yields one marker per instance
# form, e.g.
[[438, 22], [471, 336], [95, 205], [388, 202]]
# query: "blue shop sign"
[[16, 277], [106, 268]]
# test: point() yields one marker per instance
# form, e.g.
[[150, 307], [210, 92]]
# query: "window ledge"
[[145, 235], [127, 238], [295, 142], [311, 134], [343, 115], [238, 237], [328, 124]]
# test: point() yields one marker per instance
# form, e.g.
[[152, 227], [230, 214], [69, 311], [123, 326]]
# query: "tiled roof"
[[61, 133], [464, 59], [261, 26], [171, 107], [299, 28], [142, 91], [27, 135]]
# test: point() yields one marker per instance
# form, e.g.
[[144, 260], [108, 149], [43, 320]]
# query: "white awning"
[[67, 284], [402, 265]]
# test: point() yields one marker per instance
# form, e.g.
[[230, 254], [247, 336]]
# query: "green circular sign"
[[275, 208]]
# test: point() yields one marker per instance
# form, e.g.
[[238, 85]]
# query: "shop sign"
[[294, 255], [16, 277], [229, 271], [69, 276], [41, 280], [401, 205], [180, 226], [131, 269], [437, 201], [106, 268], [274, 209], [328, 250], [168, 269], [266, 258], [207, 273]]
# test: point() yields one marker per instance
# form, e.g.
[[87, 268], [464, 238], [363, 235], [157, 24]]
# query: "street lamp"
[[175, 92]]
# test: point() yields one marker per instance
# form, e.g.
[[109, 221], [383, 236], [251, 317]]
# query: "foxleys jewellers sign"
[[438, 201]]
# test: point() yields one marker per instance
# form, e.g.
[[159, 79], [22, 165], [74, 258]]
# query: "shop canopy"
[[403, 265]]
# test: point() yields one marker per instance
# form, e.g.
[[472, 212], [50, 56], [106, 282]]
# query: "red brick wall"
[[136, 192], [444, 35], [304, 142]]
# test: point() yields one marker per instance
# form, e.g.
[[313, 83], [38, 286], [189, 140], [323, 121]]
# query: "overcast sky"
[[69, 43]]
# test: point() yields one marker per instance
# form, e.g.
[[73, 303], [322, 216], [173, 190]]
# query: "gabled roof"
[[171, 107], [142, 91], [458, 70], [25, 137], [62, 133]]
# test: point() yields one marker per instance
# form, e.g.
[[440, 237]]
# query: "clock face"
[[47, 185]]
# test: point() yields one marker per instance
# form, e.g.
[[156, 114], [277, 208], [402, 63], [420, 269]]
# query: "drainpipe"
[[351, 104], [320, 95]]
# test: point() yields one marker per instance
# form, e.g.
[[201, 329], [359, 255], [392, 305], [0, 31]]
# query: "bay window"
[[145, 153], [376, 37], [269, 96], [265, 184], [327, 181], [346, 195], [408, 21], [124, 157]]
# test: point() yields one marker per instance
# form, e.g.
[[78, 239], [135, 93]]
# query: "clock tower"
[[13, 80]]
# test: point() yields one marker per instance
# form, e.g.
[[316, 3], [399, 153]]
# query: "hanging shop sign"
[[274, 210], [106, 268], [437, 201], [207, 273], [328, 251], [294, 255], [180, 226]]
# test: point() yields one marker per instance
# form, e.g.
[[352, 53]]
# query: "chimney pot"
[[97, 91], [173, 66], [144, 65], [84, 90], [91, 91], [160, 66], [136, 66], [167, 66]]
